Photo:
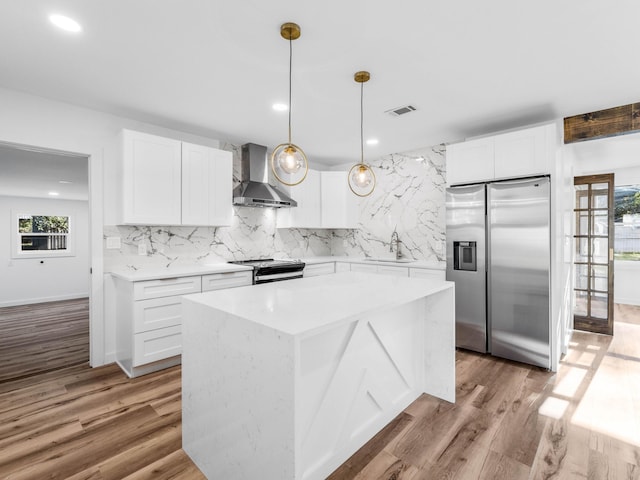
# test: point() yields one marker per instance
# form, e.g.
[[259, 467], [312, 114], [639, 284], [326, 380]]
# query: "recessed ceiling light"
[[372, 141], [280, 107], [65, 23], [64, 181], [54, 194]]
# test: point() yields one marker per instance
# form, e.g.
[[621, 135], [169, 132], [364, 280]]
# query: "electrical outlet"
[[142, 249], [113, 243]]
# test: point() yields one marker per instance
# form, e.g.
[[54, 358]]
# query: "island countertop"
[[286, 380], [302, 306]]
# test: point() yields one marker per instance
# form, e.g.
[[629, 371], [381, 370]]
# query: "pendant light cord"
[[290, 68], [361, 122]]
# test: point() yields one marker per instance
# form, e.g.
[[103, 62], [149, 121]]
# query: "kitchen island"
[[286, 380]]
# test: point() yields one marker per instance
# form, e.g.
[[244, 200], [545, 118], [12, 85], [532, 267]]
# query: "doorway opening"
[[45, 282]]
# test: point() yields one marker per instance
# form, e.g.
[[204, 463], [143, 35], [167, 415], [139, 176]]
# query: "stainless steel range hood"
[[254, 189]]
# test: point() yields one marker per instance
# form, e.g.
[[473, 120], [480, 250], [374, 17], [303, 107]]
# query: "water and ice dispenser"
[[464, 256]]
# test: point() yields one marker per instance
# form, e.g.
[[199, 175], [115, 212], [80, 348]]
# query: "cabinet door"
[[339, 204], [470, 161], [393, 270], [427, 273], [151, 179], [307, 213], [363, 267], [218, 281], [319, 269], [522, 153], [343, 267], [156, 345], [206, 185]]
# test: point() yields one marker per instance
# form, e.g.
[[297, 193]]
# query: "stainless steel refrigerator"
[[498, 255]]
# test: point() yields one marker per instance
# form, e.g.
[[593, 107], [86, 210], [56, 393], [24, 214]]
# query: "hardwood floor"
[[510, 422], [42, 337]]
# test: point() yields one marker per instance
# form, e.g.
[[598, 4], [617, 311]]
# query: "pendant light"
[[362, 180], [288, 161]]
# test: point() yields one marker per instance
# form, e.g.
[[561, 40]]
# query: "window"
[[627, 222], [43, 236]]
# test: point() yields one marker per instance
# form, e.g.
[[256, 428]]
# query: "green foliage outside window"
[[43, 224]]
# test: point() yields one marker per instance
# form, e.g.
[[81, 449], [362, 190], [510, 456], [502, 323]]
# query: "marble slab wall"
[[409, 197]]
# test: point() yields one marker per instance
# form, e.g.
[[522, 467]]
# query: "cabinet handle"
[[172, 279]]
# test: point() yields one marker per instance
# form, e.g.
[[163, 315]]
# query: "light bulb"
[[362, 177], [289, 160]]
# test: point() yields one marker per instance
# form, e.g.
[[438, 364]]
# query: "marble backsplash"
[[409, 197]]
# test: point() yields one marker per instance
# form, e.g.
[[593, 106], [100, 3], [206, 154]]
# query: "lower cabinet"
[[319, 269], [149, 318], [427, 273]]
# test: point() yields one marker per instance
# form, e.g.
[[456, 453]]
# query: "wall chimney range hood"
[[254, 189]]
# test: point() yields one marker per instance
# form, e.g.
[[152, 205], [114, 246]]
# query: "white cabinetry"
[[427, 273], [324, 201], [150, 179], [160, 181], [515, 154], [339, 204], [308, 213], [319, 269], [149, 318], [470, 161], [206, 185], [343, 267], [522, 153]]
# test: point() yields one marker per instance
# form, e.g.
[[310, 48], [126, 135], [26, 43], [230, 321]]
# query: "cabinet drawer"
[[156, 313], [156, 345], [392, 270], [361, 267], [426, 273], [166, 287], [319, 269], [218, 281], [343, 267]]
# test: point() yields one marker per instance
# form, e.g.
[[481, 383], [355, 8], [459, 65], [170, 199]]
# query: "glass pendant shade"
[[289, 164], [288, 161], [361, 179]]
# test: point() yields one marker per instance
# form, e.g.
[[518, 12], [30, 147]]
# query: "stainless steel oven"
[[268, 270]]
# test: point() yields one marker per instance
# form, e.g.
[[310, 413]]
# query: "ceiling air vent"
[[396, 112]]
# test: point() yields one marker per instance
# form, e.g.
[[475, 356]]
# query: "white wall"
[[620, 156], [33, 280]]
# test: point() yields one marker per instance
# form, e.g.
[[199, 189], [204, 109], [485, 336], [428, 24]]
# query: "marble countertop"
[[299, 307], [157, 273], [412, 264]]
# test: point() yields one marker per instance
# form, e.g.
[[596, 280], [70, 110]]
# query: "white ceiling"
[[28, 173], [214, 67]]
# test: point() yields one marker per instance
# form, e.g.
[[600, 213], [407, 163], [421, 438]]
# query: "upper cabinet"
[[339, 203], [515, 154], [151, 186], [161, 181], [324, 201], [207, 180]]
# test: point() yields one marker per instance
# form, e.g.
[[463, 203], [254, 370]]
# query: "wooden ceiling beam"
[[603, 123]]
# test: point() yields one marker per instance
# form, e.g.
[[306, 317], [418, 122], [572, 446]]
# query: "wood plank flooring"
[[43, 337], [510, 422]]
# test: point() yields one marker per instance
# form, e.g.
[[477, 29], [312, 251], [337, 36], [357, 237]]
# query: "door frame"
[[96, 260], [588, 323]]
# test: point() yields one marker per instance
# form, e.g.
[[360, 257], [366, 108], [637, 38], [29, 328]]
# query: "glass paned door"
[[593, 265]]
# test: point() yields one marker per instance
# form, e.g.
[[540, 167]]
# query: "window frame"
[[16, 236]]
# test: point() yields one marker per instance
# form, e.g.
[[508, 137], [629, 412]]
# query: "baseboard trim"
[[627, 301], [30, 301]]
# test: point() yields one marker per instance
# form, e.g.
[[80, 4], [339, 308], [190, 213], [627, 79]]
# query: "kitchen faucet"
[[395, 238]]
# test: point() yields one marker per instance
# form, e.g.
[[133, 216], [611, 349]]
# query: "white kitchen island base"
[[287, 380]]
